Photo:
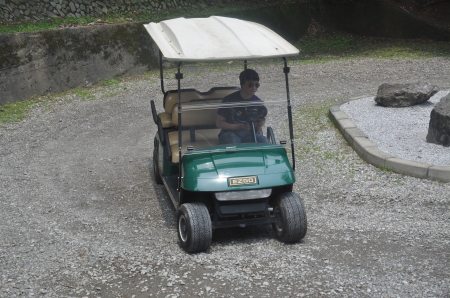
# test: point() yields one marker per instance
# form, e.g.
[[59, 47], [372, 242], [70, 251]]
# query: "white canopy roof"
[[217, 38]]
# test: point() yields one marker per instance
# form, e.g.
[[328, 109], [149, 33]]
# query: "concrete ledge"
[[343, 124], [340, 115], [351, 133], [439, 173], [375, 156], [359, 144], [411, 168], [369, 151]]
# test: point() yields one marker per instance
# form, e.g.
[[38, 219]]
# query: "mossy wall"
[[35, 63]]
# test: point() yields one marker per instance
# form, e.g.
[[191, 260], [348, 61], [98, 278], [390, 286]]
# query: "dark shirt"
[[234, 97]]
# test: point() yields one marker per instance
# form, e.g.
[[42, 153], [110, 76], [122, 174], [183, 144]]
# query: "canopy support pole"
[[161, 72], [179, 76], [286, 71]]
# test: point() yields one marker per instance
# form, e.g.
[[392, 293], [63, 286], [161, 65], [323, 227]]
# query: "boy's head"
[[248, 75]]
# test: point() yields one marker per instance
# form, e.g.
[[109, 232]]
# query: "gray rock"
[[98, 11], [439, 128], [404, 95]]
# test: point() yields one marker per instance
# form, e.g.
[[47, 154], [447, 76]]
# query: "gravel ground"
[[405, 138], [81, 215]]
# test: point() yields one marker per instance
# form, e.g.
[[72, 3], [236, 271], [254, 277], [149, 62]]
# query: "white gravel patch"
[[400, 132]]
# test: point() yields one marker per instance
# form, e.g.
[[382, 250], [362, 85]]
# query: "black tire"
[[194, 227], [156, 173], [291, 224]]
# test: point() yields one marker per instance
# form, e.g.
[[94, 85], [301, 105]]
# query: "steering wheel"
[[246, 115]]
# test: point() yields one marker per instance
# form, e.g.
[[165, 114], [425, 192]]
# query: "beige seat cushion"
[[172, 98], [166, 119]]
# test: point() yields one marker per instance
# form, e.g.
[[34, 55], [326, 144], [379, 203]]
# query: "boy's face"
[[249, 88]]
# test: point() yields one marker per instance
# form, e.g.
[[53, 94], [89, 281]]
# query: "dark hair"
[[248, 75]]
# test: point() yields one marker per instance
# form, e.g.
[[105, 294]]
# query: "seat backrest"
[[192, 97], [187, 95], [202, 117], [171, 98]]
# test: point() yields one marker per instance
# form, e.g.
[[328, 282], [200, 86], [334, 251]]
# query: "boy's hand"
[[243, 127], [260, 123]]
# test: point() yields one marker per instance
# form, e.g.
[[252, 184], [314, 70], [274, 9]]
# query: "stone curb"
[[369, 151]]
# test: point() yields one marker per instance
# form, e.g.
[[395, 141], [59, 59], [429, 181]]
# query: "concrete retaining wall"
[[35, 63]]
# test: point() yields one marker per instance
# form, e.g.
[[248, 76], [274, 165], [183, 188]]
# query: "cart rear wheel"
[[291, 224], [156, 173], [194, 227]]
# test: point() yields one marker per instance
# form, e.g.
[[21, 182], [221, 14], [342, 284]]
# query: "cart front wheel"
[[194, 227], [291, 224]]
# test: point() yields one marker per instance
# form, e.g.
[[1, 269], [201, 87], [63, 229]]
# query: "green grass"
[[385, 169], [84, 94], [311, 118], [25, 26], [111, 82], [16, 111]]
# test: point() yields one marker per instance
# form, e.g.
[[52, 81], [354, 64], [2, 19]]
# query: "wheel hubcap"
[[279, 222], [182, 228]]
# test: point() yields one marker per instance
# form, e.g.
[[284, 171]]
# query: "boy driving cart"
[[236, 123]]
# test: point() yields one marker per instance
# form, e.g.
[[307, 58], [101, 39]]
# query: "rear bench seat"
[[199, 126]]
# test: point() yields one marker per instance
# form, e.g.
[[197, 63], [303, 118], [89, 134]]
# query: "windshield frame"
[[179, 78]]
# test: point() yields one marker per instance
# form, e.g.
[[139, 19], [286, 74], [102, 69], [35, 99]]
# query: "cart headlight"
[[243, 194]]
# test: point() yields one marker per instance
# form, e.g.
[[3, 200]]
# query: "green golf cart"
[[217, 185]]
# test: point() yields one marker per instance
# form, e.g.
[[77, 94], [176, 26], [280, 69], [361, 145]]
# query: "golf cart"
[[214, 185]]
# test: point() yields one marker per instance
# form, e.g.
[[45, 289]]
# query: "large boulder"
[[404, 95], [439, 128]]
